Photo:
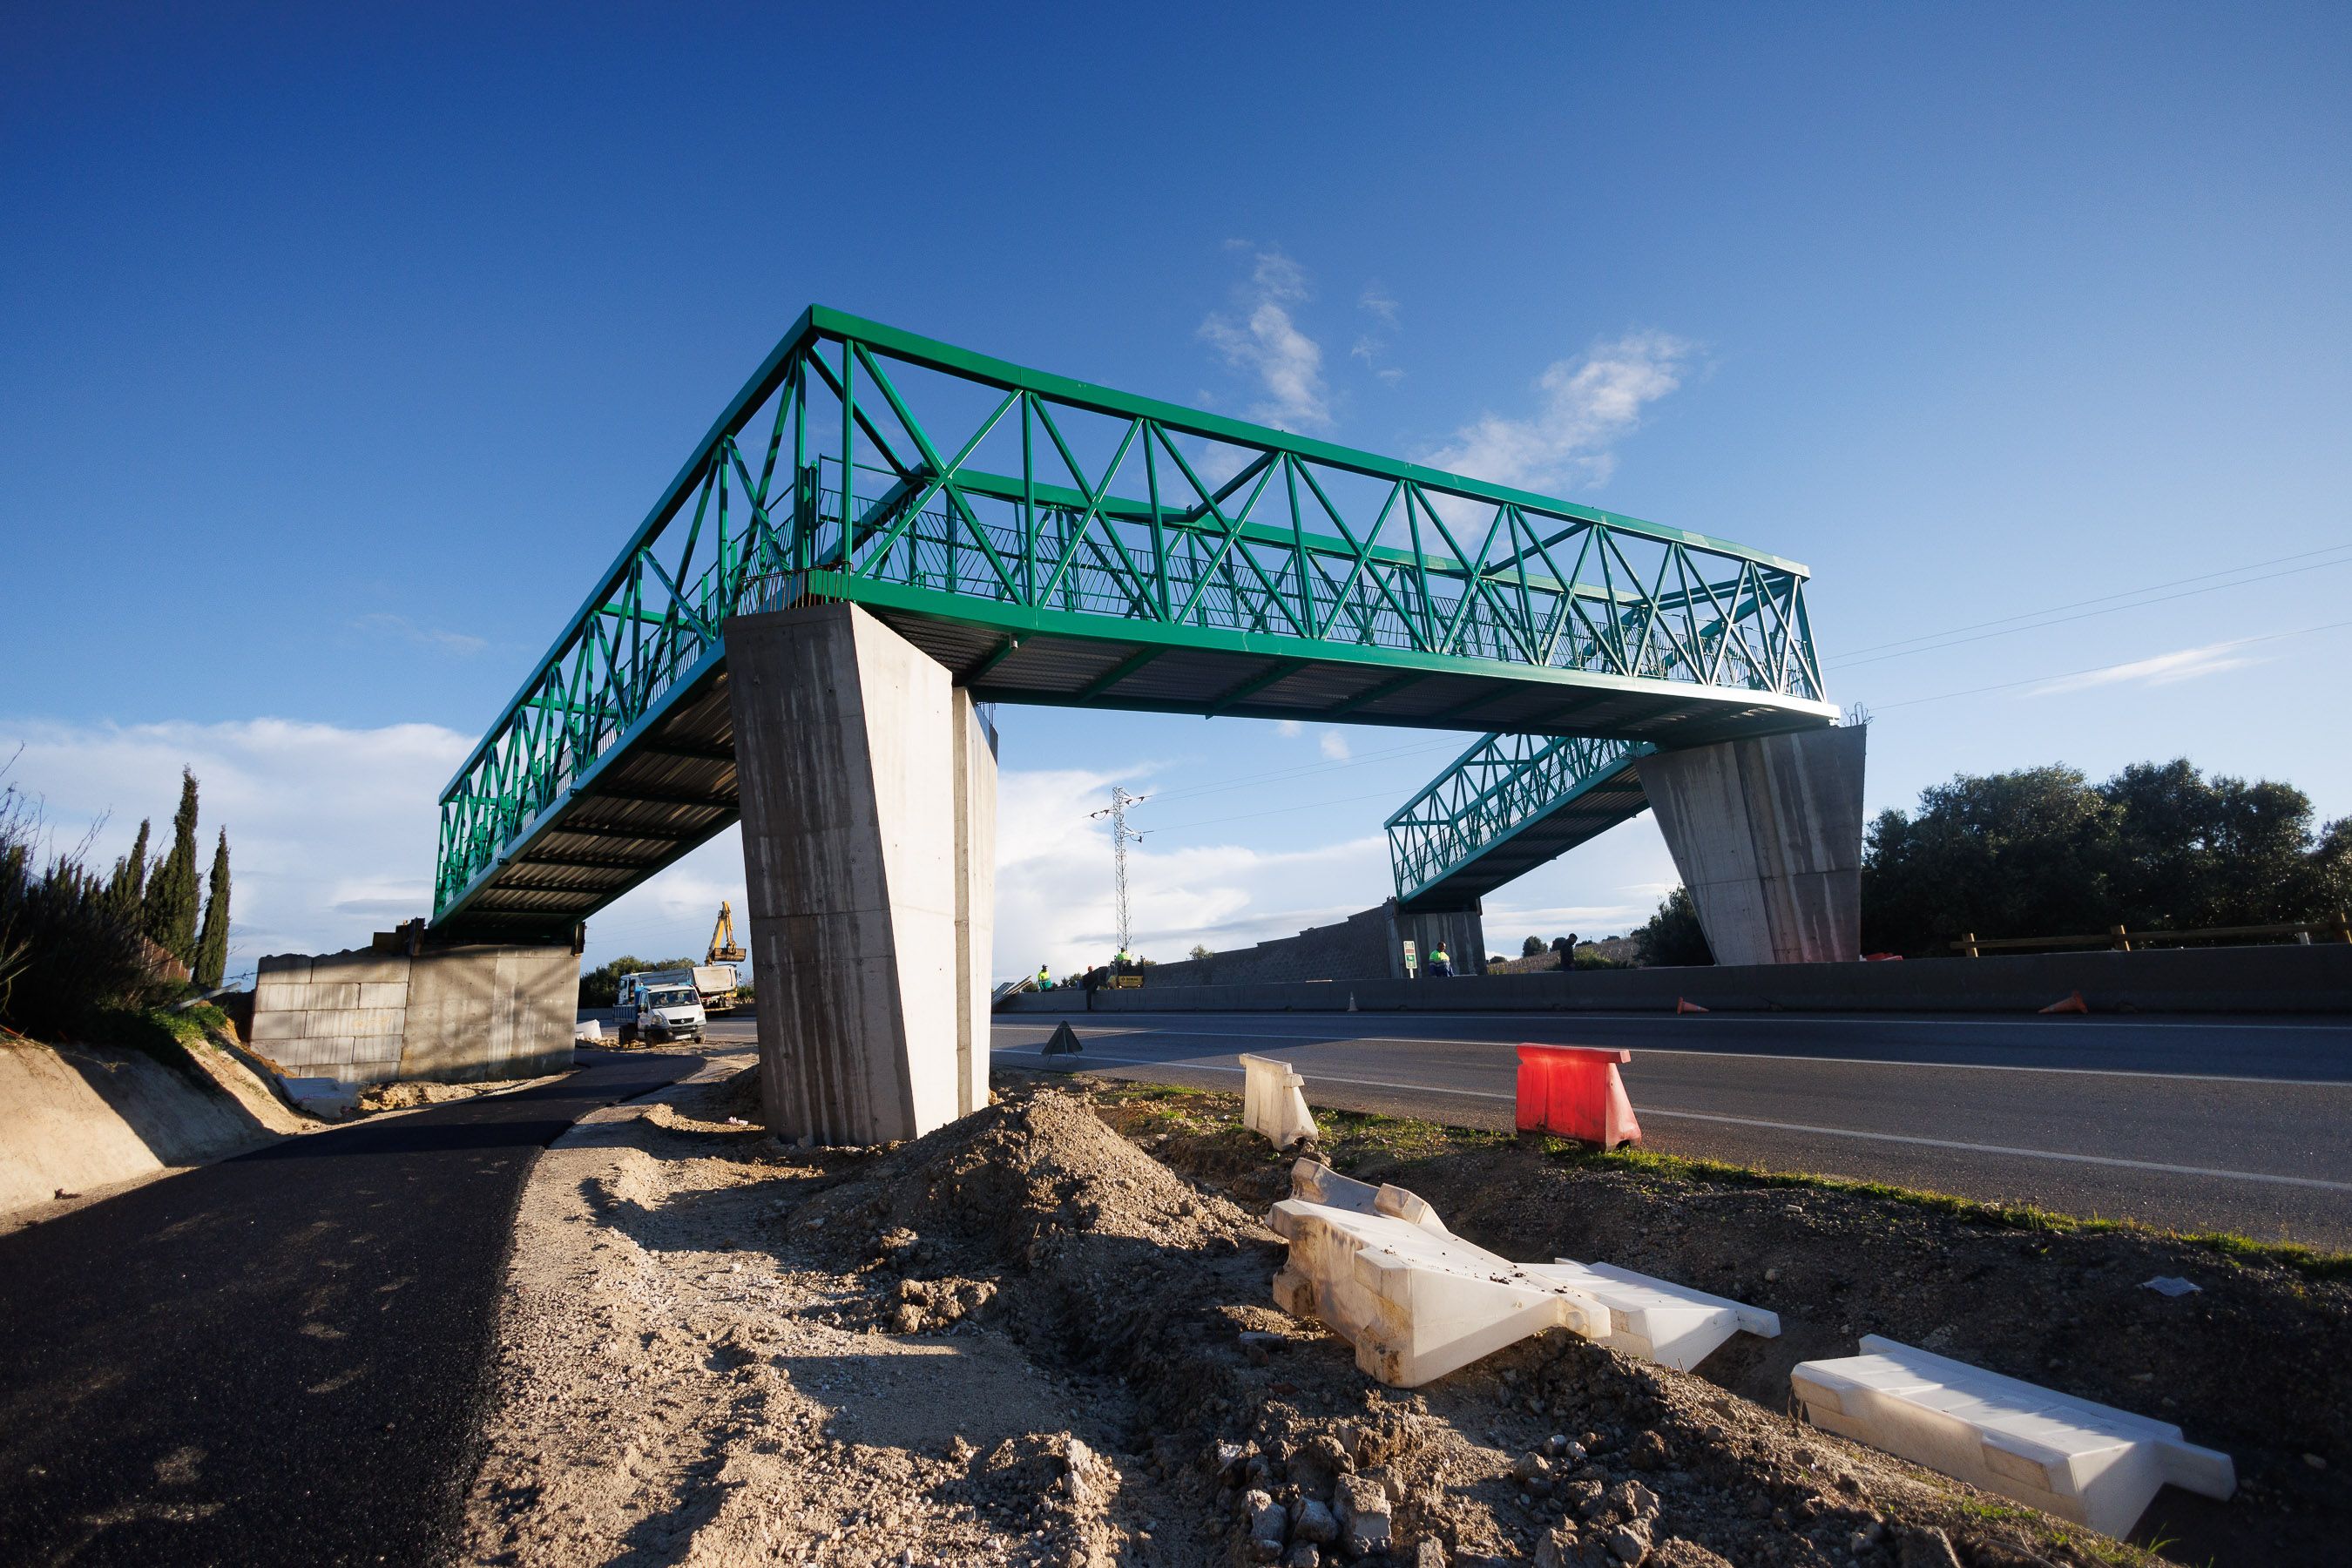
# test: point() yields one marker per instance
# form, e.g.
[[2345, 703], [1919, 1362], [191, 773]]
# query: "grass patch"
[[2310, 1262], [1353, 1137], [160, 1034]]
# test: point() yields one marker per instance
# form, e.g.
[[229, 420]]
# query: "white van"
[[668, 1010]]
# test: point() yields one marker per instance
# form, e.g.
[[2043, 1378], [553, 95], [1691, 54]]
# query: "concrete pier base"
[[1768, 836], [1460, 932], [868, 808]]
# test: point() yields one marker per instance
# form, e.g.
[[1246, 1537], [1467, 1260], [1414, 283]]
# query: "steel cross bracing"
[[1051, 540], [1505, 806]]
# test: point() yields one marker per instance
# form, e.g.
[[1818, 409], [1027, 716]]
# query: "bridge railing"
[[982, 490]]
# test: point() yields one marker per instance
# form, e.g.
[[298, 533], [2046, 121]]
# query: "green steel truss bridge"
[[1054, 542]]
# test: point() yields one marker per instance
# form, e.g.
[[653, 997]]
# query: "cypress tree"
[[170, 909], [126, 888], [211, 942]]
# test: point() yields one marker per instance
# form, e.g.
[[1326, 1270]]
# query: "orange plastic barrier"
[[1574, 1091]]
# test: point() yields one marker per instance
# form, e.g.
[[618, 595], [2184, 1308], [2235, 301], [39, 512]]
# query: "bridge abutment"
[[870, 822], [1767, 834]]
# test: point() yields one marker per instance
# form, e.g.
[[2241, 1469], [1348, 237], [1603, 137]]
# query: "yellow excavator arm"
[[724, 949]]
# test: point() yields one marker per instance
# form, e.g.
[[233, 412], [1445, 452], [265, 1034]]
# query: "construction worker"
[[1440, 967], [1124, 963], [1045, 981]]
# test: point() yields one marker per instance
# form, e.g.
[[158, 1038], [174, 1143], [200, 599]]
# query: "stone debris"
[[1022, 1341]]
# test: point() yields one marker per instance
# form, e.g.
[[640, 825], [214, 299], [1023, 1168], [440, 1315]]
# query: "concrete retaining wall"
[[2315, 979], [457, 1014], [1364, 946]]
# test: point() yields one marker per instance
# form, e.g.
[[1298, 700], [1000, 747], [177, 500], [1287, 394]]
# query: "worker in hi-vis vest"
[[1440, 966], [1045, 981], [1124, 962]]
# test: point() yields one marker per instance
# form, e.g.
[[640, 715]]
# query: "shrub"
[[67, 952]]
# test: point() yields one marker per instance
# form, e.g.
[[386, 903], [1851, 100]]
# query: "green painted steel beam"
[[1029, 504]]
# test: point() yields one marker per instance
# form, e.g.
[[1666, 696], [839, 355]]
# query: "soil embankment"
[[1030, 1339], [76, 1121]]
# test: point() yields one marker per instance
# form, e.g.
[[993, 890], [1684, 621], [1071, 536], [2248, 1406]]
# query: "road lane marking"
[[1641, 1111], [1777, 1020], [1755, 1056]]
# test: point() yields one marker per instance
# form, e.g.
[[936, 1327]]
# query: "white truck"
[[667, 1005], [718, 984]]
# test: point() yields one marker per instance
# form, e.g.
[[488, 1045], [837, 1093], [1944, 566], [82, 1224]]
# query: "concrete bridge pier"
[[1767, 834], [869, 835]]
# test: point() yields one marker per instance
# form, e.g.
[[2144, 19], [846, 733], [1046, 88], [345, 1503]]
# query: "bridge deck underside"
[[648, 804], [1593, 810], [672, 787], [1154, 676]]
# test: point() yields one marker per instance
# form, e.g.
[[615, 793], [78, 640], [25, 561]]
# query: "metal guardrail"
[[2115, 939]]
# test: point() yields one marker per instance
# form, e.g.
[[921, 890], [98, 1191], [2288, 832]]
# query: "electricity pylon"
[[1119, 835]]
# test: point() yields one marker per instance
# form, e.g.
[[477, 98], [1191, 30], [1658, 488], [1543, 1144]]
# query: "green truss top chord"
[[1051, 540]]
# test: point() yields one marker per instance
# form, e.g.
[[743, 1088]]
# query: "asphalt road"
[[2193, 1124], [277, 1359]]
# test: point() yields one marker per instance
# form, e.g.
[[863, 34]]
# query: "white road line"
[[2004, 1148], [1787, 1020], [1758, 1055], [1641, 1111]]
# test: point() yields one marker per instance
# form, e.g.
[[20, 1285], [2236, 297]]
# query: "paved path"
[[2189, 1123], [277, 1359]]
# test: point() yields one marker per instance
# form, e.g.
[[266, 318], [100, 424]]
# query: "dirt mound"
[[1025, 1339], [1035, 1218]]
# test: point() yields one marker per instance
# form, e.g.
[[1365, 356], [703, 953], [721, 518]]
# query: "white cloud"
[[1289, 729], [1333, 745], [1260, 339], [2164, 669], [330, 830], [382, 622], [1053, 902], [1372, 347], [331, 835], [1588, 403]]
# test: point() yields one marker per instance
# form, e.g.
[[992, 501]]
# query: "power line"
[[1278, 811], [1935, 641], [2096, 669], [1302, 769]]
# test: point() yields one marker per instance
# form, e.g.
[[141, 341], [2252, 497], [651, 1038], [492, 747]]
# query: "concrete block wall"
[[1356, 947], [333, 1014], [454, 1013]]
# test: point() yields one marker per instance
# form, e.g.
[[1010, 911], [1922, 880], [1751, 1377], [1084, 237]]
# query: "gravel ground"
[[1025, 1339]]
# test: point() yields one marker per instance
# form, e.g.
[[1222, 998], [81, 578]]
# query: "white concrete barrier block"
[[383, 993], [328, 1096], [2090, 1462], [1273, 1102], [1415, 1300], [591, 1030], [1658, 1321]]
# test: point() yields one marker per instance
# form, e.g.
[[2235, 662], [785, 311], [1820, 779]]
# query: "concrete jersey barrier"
[[2282, 979]]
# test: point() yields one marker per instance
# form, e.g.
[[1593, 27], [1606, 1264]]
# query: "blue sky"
[[338, 351]]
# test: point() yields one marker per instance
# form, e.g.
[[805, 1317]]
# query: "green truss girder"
[[1501, 788], [869, 464]]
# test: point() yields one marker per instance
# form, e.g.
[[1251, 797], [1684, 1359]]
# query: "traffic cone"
[[2073, 1004], [1683, 1004]]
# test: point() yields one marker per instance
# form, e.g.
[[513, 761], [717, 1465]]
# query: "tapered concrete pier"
[[1768, 836], [869, 825]]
